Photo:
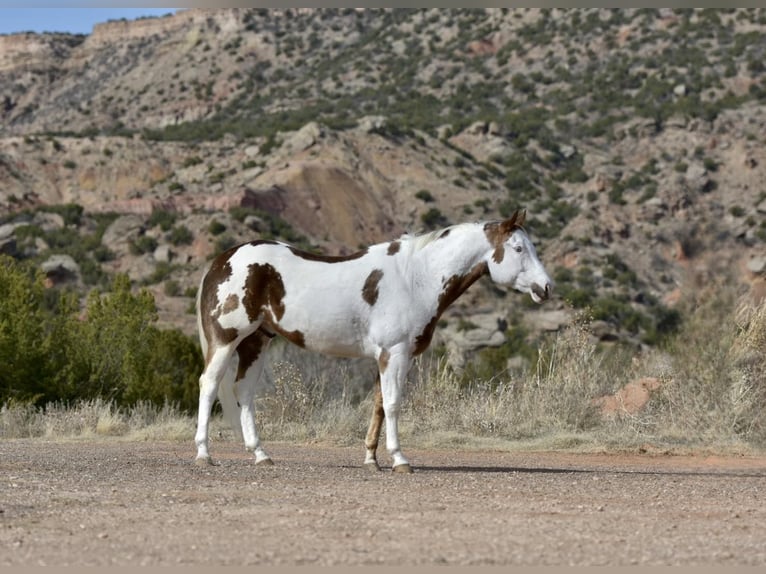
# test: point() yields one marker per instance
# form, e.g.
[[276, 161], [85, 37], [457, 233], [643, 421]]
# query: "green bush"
[[216, 227], [165, 219], [433, 218], [180, 235], [54, 353], [143, 244], [424, 195], [70, 212], [24, 338]]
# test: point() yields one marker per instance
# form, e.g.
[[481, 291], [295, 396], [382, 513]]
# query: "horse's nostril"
[[543, 293], [539, 291]]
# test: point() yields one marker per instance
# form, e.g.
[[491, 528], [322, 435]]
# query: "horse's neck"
[[452, 263]]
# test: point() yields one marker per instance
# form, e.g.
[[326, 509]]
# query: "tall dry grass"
[[548, 406], [712, 395], [714, 378], [95, 418]]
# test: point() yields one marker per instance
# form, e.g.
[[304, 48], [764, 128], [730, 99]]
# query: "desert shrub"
[[276, 227], [118, 354], [70, 212], [424, 195], [112, 351], [715, 390], [151, 377], [24, 338], [433, 218], [215, 227], [491, 363], [171, 288], [180, 235], [553, 398], [310, 396], [222, 243], [162, 272], [142, 244], [165, 219], [192, 161]]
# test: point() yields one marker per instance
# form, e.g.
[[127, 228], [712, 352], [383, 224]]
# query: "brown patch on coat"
[[452, 289], [393, 247], [498, 232], [370, 289], [248, 351], [231, 304], [295, 337], [219, 272], [264, 292], [383, 360]]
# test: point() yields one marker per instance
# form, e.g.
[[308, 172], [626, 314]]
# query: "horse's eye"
[[518, 249]]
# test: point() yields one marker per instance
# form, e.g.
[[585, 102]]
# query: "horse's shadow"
[[589, 471], [501, 469]]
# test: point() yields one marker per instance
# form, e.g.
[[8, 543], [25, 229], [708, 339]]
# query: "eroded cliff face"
[[21, 51]]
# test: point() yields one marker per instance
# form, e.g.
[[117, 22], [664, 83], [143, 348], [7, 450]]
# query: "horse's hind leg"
[[209, 380], [251, 352], [373, 432]]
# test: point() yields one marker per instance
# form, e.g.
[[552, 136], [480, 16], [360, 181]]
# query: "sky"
[[73, 20]]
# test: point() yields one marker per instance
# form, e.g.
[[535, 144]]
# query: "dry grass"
[[95, 419], [714, 390], [712, 397], [549, 407]]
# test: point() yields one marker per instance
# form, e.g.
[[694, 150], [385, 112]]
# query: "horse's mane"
[[419, 241]]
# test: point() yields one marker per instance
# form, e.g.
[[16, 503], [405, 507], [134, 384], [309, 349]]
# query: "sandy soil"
[[131, 503]]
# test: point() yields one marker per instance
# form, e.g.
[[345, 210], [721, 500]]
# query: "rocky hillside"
[[634, 139]]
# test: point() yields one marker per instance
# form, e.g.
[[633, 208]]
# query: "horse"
[[382, 302]]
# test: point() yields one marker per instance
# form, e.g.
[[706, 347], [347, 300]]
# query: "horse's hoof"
[[372, 466], [403, 469], [264, 462], [204, 461]]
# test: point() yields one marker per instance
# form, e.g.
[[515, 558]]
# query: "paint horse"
[[382, 302]]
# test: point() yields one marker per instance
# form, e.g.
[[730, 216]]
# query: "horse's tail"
[[226, 395]]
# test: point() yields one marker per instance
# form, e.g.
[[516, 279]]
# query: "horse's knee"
[[392, 408]]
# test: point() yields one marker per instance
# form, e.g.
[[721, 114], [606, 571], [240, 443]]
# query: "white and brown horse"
[[382, 302]]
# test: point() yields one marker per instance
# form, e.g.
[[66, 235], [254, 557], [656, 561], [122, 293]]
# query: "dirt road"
[[131, 503]]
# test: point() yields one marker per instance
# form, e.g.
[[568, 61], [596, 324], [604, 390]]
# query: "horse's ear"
[[516, 220]]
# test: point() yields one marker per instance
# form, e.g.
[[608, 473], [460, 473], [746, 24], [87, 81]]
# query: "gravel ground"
[[107, 502]]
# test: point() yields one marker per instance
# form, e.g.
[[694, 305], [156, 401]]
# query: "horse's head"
[[513, 260]]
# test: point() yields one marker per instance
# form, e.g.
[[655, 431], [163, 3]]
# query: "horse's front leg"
[[373, 432], [392, 380]]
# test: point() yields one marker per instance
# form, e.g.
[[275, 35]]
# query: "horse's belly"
[[341, 336]]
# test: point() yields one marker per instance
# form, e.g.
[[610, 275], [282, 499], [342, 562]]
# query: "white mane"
[[418, 242]]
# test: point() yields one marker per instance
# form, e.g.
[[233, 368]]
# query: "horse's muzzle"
[[542, 293]]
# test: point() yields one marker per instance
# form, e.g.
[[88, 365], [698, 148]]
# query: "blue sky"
[[73, 20]]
